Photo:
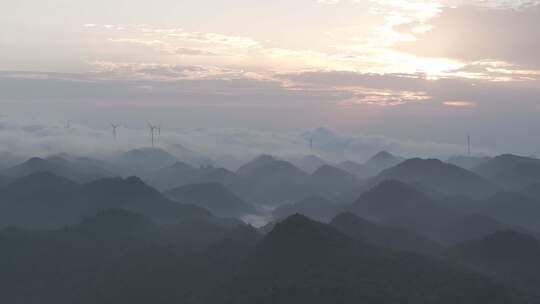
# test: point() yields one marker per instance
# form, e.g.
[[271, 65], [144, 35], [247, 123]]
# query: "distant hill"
[[382, 161], [267, 164], [385, 236], [79, 170], [511, 256], [511, 208], [274, 181], [172, 176], [180, 174], [94, 261], [229, 179], [468, 162], [532, 190], [471, 227], [354, 168], [4, 180], [511, 171], [379, 162], [400, 204], [44, 200], [118, 256], [40, 200], [309, 262], [308, 163], [316, 208], [331, 181], [439, 176], [142, 161], [214, 197], [134, 195]]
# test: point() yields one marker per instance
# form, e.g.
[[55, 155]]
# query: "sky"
[[411, 76]]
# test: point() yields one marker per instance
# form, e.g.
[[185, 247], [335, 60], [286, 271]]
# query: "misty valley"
[[146, 226]]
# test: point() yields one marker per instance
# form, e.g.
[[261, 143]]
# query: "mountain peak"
[[382, 155], [327, 170], [298, 235], [439, 176], [34, 161], [264, 158]]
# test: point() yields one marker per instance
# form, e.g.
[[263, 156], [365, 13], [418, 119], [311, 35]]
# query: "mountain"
[[134, 195], [266, 163], [180, 174], [382, 161], [4, 180], [214, 197], [471, 227], [511, 208], [383, 235], [308, 163], [44, 200], [118, 256], [316, 208], [175, 175], [393, 199], [39, 200], [142, 161], [228, 161], [511, 171], [229, 179], [109, 257], [379, 162], [273, 181], [331, 182], [468, 162], [75, 170], [188, 155], [308, 262], [532, 190], [439, 176], [509, 255], [396, 203], [100, 167], [354, 168]]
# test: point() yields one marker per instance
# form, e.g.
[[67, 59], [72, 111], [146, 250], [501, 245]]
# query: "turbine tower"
[[114, 130], [469, 145], [153, 129]]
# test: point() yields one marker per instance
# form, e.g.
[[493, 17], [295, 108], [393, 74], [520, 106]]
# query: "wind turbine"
[[310, 141], [153, 129], [469, 145], [114, 130]]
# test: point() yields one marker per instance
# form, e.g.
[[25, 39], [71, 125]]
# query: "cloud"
[[395, 105], [196, 85], [21, 138], [459, 104], [475, 33]]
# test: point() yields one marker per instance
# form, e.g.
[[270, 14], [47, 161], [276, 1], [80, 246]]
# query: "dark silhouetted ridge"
[[314, 207], [299, 235], [382, 235], [439, 176]]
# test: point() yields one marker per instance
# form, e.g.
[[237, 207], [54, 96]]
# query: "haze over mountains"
[[270, 152], [389, 230]]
